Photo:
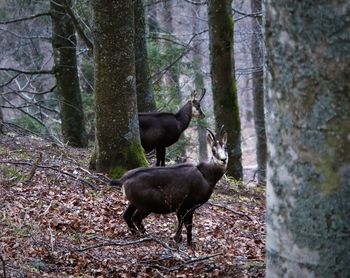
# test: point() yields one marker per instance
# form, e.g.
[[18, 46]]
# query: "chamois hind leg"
[[137, 218], [160, 156], [178, 237], [128, 213], [188, 224]]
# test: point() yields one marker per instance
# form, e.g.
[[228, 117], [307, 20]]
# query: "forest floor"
[[62, 220]]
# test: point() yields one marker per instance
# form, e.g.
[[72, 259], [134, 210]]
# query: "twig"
[[24, 18], [3, 266], [119, 243], [50, 167], [28, 72], [77, 26], [48, 208], [35, 166], [231, 210]]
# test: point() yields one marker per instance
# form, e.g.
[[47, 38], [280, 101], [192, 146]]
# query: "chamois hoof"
[[178, 239]]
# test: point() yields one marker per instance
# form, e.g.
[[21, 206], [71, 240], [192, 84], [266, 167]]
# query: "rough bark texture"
[[223, 83], [145, 97], [66, 73], [308, 183], [117, 127], [258, 93]]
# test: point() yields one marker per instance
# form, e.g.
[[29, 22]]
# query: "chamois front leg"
[[128, 213], [160, 156], [137, 218], [188, 220], [178, 236]]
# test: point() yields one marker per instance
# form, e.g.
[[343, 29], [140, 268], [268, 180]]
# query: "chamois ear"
[[193, 95], [224, 137], [210, 137]]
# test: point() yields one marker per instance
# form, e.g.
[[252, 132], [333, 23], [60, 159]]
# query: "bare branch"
[[77, 26], [28, 72], [258, 14], [231, 210], [51, 168], [24, 18], [196, 3]]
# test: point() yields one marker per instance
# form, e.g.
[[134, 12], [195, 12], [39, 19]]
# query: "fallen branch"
[[186, 263], [35, 166], [120, 243], [52, 168], [231, 210]]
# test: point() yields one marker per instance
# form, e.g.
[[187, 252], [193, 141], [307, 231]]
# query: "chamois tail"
[[115, 183]]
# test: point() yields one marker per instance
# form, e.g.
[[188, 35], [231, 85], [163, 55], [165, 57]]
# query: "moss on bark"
[[223, 82], [117, 128], [308, 191], [64, 51]]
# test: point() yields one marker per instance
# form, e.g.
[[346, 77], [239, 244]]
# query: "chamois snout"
[[218, 148]]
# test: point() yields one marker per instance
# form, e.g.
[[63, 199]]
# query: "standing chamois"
[[159, 130], [181, 189]]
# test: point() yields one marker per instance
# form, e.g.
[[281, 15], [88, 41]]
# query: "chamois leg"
[[128, 213], [137, 218], [160, 156], [178, 237], [188, 224]]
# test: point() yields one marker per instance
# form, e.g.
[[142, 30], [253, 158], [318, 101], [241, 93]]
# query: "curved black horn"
[[212, 134], [221, 130], [203, 93]]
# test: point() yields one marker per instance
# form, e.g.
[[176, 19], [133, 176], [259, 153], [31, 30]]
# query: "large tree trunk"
[[117, 127], [258, 92], [308, 184], [64, 50], [145, 97], [223, 83]]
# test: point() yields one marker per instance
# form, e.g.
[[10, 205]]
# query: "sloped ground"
[[57, 225]]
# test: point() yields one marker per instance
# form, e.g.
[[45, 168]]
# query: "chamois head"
[[196, 106], [218, 147]]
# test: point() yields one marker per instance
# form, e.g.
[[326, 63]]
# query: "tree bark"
[[199, 81], [117, 127], [145, 97], [308, 135], [66, 73], [258, 93], [223, 83]]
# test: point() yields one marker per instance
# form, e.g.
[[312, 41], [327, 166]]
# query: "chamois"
[[159, 130], [181, 189]]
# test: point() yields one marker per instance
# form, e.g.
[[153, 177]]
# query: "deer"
[[159, 130], [181, 188]]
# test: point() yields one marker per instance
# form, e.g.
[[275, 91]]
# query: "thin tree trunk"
[[145, 97], [308, 186], [64, 50], [199, 83], [258, 93], [117, 127], [223, 83]]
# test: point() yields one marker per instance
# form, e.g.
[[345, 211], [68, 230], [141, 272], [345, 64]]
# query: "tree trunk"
[[117, 127], [258, 92], [223, 83], [64, 51], [145, 97], [199, 80], [308, 184]]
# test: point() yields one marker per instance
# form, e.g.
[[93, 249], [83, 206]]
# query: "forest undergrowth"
[[59, 219]]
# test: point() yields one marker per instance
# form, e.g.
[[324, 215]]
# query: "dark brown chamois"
[[159, 130], [181, 189]]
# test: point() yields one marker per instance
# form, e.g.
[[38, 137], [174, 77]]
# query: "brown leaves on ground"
[[56, 225]]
